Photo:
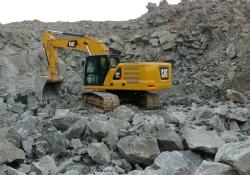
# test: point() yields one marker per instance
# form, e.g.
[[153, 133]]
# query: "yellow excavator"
[[107, 81]]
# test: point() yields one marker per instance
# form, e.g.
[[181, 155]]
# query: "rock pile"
[[202, 128]]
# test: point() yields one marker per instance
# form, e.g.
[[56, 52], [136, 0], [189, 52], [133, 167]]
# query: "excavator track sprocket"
[[101, 101]]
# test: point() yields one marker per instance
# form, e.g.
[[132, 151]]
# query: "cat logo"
[[72, 43], [164, 73]]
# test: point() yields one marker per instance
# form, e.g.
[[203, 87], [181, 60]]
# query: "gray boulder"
[[169, 140], [56, 142], [202, 140], [6, 170], [98, 129], [236, 96], [10, 153], [237, 117], [27, 146], [149, 123], [107, 129], [237, 155], [202, 113], [49, 164], [11, 135], [114, 127], [174, 163], [139, 149], [100, 153], [214, 168], [38, 169], [63, 119], [77, 129], [195, 158], [123, 113], [177, 117]]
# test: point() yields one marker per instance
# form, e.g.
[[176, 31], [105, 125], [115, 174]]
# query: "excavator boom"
[[48, 86]]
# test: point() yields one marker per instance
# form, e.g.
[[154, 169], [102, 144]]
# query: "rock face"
[[212, 168], [174, 163], [10, 153], [140, 150], [202, 140], [237, 155], [100, 153]]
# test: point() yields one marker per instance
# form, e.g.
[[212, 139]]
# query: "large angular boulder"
[[237, 117], [45, 164], [107, 129], [114, 127], [149, 123], [139, 149], [123, 113], [10, 153], [194, 157], [38, 169], [237, 155], [202, 113], [169, 140], [98, 129], [177, 117], [100, 153], [202, 140], [56, 142], [214, 168], [11, 135], [6, 170], [174, 163], [77, 129], [63, 119]]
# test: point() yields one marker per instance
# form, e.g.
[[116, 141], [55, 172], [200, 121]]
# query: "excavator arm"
[[76, 42], [48, 86]]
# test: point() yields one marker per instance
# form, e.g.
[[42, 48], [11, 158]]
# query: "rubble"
[[202, 140], [169, 140], [204, 116], [100, 153], [10, 153], [174, 163], [210, 168], [142, 150], [236, 155]]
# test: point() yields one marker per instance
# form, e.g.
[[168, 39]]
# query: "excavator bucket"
[[47, 89]]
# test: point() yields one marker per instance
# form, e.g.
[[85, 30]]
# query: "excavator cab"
[[97, 67]]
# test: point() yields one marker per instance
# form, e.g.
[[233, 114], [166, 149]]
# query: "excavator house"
[[107, 81]]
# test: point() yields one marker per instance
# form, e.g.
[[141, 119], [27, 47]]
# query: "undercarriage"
[[105, 101]]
